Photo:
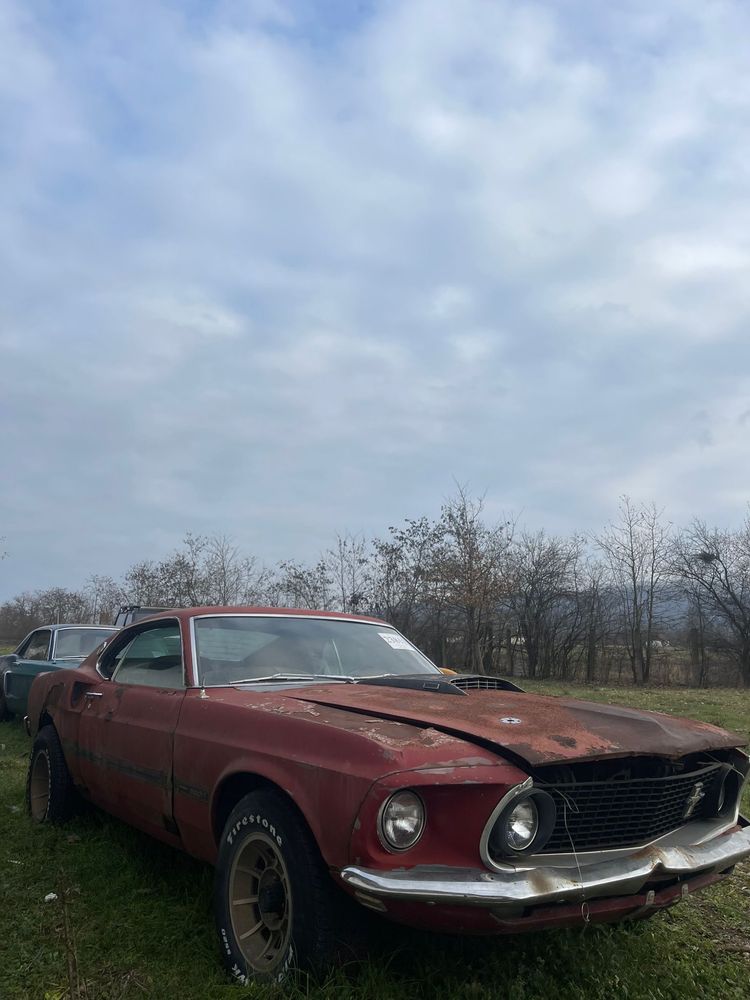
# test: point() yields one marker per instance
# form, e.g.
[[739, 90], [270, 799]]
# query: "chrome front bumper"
[[514, 890]]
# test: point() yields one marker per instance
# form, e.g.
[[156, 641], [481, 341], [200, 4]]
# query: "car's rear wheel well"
[[236, 787]]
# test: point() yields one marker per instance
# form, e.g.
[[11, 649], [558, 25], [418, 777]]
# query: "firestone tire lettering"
[[316, 902]]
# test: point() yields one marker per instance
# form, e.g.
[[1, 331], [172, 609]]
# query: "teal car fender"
[[50, 647], [18, 679]]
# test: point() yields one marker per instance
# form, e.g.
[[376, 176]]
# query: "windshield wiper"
[[295, 677]]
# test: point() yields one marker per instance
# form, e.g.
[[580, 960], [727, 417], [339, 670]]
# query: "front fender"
[[458, 803]]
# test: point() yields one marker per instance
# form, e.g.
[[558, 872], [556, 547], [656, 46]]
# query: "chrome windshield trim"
[[333, 617], [78, 628], [477, 887], [321, 618], [194, 652]]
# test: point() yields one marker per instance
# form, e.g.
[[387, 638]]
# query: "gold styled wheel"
[[39, 786], [260, 902]]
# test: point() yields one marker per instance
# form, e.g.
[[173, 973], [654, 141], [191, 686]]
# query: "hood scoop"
[[414, 682], [459, 684], [483, 682]]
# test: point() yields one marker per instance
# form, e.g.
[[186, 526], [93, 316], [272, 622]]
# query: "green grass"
[[139, 917]]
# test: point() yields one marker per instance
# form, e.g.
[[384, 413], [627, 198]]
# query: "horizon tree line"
[[639, 598]]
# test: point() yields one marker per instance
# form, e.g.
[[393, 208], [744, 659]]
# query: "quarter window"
[[37, 647], [153, 658]]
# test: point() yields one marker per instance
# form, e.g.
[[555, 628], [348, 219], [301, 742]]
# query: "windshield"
[[231, 649], [79, 642]]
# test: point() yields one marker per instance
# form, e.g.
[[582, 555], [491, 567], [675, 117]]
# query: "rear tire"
[[50, 795], [276, 906]]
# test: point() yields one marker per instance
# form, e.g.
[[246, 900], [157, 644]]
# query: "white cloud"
[[704, 470], [257, 259]]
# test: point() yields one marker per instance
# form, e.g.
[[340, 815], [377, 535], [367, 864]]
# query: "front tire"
[[276, 905], [50, 795]]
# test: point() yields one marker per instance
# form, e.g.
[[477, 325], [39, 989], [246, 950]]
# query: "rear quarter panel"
[[50, 699]]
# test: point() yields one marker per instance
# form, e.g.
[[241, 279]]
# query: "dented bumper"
[[513, 891]]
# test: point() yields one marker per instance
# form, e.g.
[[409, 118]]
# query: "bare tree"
[[468, 575], [700, 624], [300, 586], [472, 594], [104, 596], [229, 577], [545, 601], [636, 549], [597, 604], [51, 606], [715, 564], [401, 570], [347, 566], [144, 584]]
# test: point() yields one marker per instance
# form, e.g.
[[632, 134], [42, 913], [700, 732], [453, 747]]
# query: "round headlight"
[[521, 825], [401, 821]]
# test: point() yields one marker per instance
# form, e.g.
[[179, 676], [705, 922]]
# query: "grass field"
[[136, 921]]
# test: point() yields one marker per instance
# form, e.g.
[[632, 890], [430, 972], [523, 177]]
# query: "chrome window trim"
[[193, 654], [266, 614], [146, 623]]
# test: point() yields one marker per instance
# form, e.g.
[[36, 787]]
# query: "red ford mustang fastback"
[[320, 760]]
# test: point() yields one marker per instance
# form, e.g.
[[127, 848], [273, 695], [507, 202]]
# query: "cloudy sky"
[[276, 269]]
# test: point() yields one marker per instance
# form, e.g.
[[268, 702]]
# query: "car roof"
[[184, 613]]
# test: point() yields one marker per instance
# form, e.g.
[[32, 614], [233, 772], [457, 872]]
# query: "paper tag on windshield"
[[395, 641]]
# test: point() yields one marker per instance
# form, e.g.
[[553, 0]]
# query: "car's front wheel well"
[[45, 719], [236, 787]]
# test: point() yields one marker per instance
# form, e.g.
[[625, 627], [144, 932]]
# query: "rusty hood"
[[536, 729]]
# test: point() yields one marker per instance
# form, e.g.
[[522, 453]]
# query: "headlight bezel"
[[388, 844], [495, 840]]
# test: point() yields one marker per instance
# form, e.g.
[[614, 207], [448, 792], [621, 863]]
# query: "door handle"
[[93, 694]]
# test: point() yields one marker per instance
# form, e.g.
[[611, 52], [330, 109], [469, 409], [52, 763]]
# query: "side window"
[[153, 657], [37, 648]]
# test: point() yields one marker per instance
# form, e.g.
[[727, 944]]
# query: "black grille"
[[593, 815]]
